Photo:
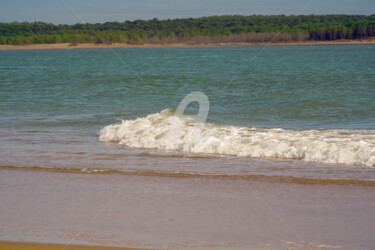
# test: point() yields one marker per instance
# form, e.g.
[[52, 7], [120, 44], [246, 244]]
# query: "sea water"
[[310, 108], [94, 149]]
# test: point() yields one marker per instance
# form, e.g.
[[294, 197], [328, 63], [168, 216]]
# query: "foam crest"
[[166, 131]]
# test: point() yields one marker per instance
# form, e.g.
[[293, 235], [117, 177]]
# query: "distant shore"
[[124, 45]]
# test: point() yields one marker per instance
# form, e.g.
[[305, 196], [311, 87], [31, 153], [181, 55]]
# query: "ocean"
[[285, 115]]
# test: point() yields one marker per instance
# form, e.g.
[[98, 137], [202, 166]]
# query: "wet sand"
[[124, 45], [167, 213]]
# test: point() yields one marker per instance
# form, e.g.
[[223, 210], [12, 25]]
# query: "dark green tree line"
[[209, 29]]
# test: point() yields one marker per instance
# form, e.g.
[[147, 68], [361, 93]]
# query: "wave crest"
[[166, 131]]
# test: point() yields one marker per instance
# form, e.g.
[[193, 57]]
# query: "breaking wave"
[[165, 131]]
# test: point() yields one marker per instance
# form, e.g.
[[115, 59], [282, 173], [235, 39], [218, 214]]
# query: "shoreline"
[[9, 245], [124, 45]]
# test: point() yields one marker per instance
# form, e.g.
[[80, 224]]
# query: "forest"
[[213, 29]]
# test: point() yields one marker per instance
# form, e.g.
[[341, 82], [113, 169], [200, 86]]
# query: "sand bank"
[[124, 45]]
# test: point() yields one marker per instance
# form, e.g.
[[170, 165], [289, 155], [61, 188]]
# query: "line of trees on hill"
[[214, 29]]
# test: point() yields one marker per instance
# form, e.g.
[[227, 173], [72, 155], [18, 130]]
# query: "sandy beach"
[[169, 213], [123, 45]]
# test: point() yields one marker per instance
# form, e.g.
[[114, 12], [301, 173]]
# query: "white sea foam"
[[166, 131]]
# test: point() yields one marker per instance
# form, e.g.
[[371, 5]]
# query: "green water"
[[287, 87], [54, 102]]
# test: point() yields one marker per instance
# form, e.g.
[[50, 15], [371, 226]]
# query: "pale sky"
[[99, 11]]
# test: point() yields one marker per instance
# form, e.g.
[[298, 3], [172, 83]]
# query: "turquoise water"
[[320, 99], [287, 87]]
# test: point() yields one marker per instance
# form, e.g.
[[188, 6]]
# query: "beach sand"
[[167, 213], [122, 45]]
